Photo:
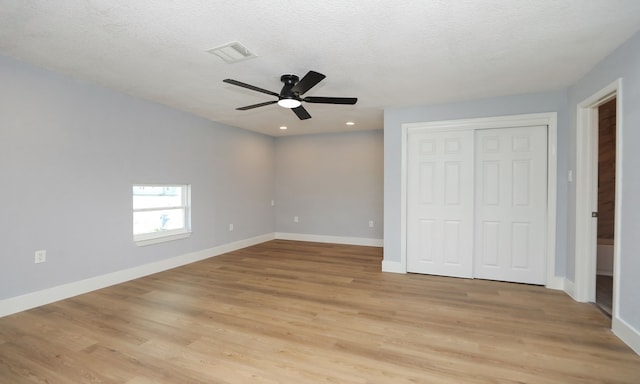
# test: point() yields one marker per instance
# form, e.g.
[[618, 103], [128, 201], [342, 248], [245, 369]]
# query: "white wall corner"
[[557, 282], [46, 296], [570, 289], [626, 333], [330, 239], [393, 266]]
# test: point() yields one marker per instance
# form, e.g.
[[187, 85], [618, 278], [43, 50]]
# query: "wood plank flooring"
[[295, 312]]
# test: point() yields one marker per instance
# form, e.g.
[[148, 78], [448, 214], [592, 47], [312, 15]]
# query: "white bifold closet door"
[[511, 204], [476, 203], [440, 203]]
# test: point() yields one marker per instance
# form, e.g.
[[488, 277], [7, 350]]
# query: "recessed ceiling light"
[[350, 123], [283, 127]]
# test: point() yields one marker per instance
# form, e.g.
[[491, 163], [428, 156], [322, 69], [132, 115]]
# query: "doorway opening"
[[606, 204], [592, 220]]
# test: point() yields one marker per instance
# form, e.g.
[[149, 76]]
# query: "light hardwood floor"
[[294, 312]]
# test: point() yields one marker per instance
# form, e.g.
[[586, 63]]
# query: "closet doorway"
[[477, 198]]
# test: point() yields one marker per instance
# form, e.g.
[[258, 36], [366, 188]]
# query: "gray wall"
[[332, 182], [69, 153], [511, 105], [623, 63]]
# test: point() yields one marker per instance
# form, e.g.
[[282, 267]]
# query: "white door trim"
[[586, 193], [549, 119]]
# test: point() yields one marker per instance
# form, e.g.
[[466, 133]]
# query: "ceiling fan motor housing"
[[289, 81]]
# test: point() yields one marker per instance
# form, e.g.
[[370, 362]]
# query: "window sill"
[[162, 239]]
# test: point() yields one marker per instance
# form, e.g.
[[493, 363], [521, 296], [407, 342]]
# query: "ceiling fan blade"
[[256, 105], [331, 100], [301, 113], [307, 82], [249, 86]]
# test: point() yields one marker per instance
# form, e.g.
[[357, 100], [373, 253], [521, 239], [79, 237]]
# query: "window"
[[161, 213]]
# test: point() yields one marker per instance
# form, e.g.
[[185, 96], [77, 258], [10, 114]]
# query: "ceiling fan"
[[291, 94]]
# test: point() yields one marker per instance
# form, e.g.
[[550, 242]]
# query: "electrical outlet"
[[295, 219], [370, 223], [40, 257]]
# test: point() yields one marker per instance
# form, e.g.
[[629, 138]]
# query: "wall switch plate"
[[230, 227], [295, 219], [370, 223], [40, 257], [273, 203]]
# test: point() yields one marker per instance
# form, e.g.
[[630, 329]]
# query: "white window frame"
[[168, 235]]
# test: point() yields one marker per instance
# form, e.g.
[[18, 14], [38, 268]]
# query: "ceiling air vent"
[[232, 52]]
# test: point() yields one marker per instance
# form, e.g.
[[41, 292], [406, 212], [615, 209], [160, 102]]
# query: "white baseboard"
[[626, 333], [393, 267], [50, 295], [330, 239]]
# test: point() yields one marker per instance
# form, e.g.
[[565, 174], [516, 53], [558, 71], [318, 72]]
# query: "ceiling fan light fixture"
[[289, 103]]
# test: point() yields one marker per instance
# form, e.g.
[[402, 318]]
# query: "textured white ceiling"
[[388, 53]]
